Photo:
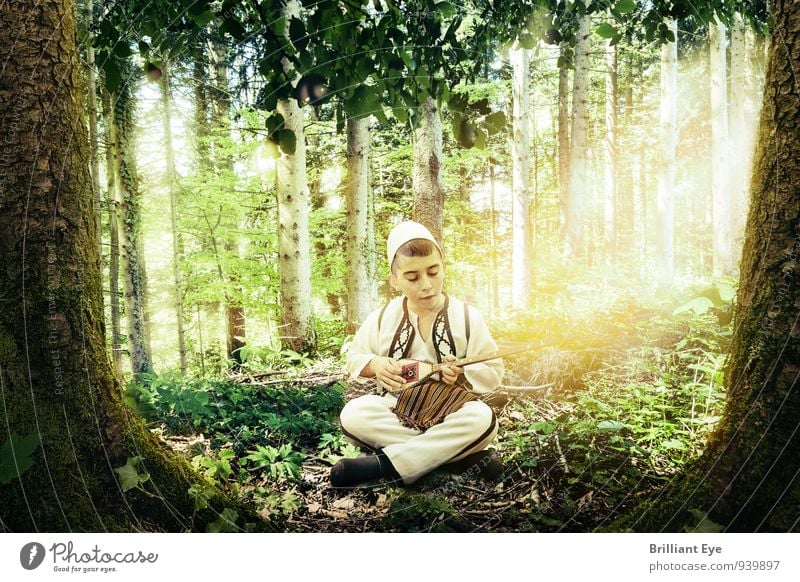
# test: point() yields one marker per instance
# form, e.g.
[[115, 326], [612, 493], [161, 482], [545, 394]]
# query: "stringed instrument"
[[425, 402], [414, 371]]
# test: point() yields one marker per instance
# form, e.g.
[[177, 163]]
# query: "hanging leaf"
[[495, 122], [605, 30], [625, 6], [480, 139], [288, 141], [112, 75], [203, 18], [446, 9]]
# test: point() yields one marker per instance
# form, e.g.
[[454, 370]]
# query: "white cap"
[[404, 232]]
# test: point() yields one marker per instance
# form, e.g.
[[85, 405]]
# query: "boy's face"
[[420, 279]]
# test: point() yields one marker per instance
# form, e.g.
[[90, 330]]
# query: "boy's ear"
[[393, 281]]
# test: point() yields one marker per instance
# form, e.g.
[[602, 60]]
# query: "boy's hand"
[[387, 372], [450, 373]]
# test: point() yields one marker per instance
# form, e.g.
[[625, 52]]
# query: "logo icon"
[[31, 555]]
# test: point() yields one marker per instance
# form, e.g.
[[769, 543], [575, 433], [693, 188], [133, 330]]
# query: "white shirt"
[[370, 342]]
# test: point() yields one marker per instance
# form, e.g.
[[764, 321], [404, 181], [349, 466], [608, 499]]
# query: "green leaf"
[[625, 6], [16, 456], [605, 30], [527, 41], [364, 102], [610, 425], [726, 292], [699, 305], [129, 476], [123, 50], [495, 122], [704, 525], [480, 139], [226, 522], [287, 141], [203, 18], [446, 9]]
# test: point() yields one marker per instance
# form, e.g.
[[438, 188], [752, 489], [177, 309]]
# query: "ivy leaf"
[[287, 141], [129, 475], [226, 522], [112, 75], [16, 456], [605, 30]]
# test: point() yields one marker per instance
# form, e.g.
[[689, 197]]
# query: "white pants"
[[368, 420]]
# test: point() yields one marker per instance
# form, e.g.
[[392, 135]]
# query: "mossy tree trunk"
[[748, 479], [129, 215], [56, 380]]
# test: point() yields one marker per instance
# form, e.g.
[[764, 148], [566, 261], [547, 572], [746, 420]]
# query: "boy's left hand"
[[450, 373]]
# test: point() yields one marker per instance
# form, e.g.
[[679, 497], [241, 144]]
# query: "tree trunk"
[[293, 242], [221, 117], [520, 183], [610, 199], [361, 264], [91, 108], [55, 376], [112, 202], [720, 164], [563, 143], [129, 216], [579, 142], [741, 142], [665, 203], [166, 115], [428, 192], [746, 479]]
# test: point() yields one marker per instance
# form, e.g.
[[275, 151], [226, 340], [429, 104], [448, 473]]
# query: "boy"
[[423, 324]]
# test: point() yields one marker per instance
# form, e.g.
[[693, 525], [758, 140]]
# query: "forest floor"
[[618, 420]]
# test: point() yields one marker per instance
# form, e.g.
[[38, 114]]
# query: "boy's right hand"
[[387, 372]]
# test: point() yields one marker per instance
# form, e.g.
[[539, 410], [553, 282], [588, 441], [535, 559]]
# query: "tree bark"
[[427, 184], [129, 217], [91, 108], [720, 157], [169, 150], [579, 142], [360, 262], [747, 479], [55, 376], [741, 141], [665, 203], [112, 203], [610, 199], [520, 182]]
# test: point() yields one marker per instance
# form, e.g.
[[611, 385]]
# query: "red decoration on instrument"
[[410, 372]]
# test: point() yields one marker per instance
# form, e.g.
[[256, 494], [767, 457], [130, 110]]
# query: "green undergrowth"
[[621, 422]]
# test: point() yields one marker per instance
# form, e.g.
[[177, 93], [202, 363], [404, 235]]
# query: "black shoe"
[[485, 464], [350, 473]]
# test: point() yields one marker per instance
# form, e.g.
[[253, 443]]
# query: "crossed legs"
[[369, 421]]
